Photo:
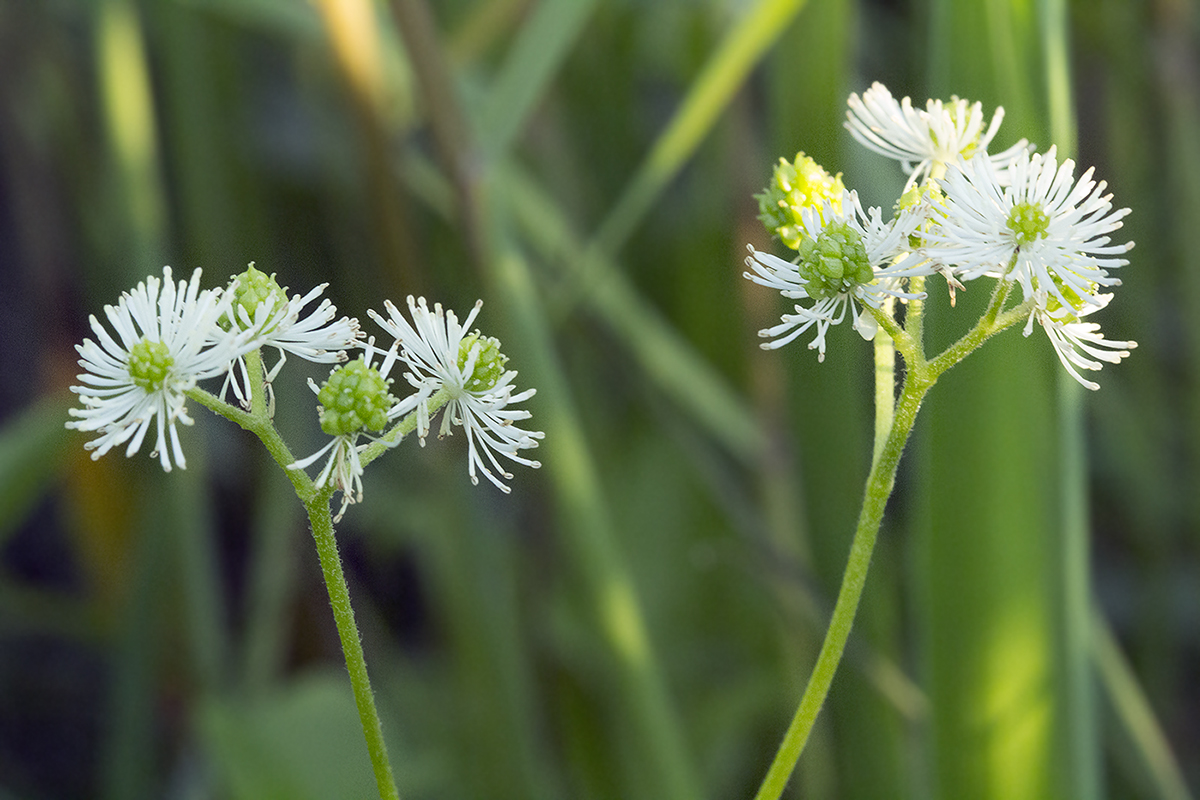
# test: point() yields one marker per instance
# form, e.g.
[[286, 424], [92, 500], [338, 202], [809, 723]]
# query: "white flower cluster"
[[1016, 216], [171, 336]]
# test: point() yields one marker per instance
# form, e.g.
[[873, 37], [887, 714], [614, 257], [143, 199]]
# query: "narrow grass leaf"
[[540, 48], [742, 48]]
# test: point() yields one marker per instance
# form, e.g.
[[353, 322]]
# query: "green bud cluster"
[[354, 398], [834, 262], [253, 287], [149, 363], [489, 365], [795, 186], [1029, 222]]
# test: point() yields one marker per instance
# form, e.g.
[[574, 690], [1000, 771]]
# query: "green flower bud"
[[835, 262], [253, 287], [149, 363], [489, 365], [1029, 222], [795, 186], [354, 398]]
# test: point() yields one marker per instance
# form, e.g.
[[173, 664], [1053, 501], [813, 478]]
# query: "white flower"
[[167, 339], [264, 308], [1044, 230], [939, 134], [444, 357], [1074, 340], [844, 261]]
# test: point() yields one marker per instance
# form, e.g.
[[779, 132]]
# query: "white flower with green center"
[[920, 139], [1044, 230], [842, 262], [354, 401], [167, 339], [261, 306], [1079, 344], [469, 367]]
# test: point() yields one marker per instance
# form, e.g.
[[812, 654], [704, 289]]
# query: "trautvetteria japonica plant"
[[164, 338], [1019, 218]]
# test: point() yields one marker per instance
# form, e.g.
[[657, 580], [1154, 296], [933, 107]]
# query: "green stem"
[[879, 487], [356, 665], [891, 438], [992, 322], [885, 382], [401, 429], [316, 504]]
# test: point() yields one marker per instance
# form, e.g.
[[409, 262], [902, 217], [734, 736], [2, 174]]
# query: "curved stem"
[[879, 487]]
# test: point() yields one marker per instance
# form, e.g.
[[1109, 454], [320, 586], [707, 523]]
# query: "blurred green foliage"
[[638, 618]]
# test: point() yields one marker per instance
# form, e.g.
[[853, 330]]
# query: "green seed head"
[[834, 262], [489, 365], [795, 186], [354, 398], [149, 363], [254, 286], [1028, 222]]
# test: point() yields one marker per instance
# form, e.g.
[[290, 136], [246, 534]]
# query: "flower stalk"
[[894, 425], [320, 516], [316, 502], [879, 487]]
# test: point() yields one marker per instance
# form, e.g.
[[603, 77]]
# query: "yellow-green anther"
[[149, 363], [1028, 222], [489, 364], [794, 186], [355, 397], [835, 262]]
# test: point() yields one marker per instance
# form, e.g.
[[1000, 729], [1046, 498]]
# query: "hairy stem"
[[356, 664], [879, 487]]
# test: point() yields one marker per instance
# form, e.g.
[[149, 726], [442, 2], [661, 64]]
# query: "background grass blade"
[[742, 48]]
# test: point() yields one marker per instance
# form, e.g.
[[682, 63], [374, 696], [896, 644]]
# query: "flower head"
[[167, 339], [354, 401], [844, 261], [1045, 230], [262, 306], [920, 139], [469, 368]]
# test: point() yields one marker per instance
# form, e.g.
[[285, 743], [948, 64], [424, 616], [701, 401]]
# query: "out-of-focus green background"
[[637, 619]]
